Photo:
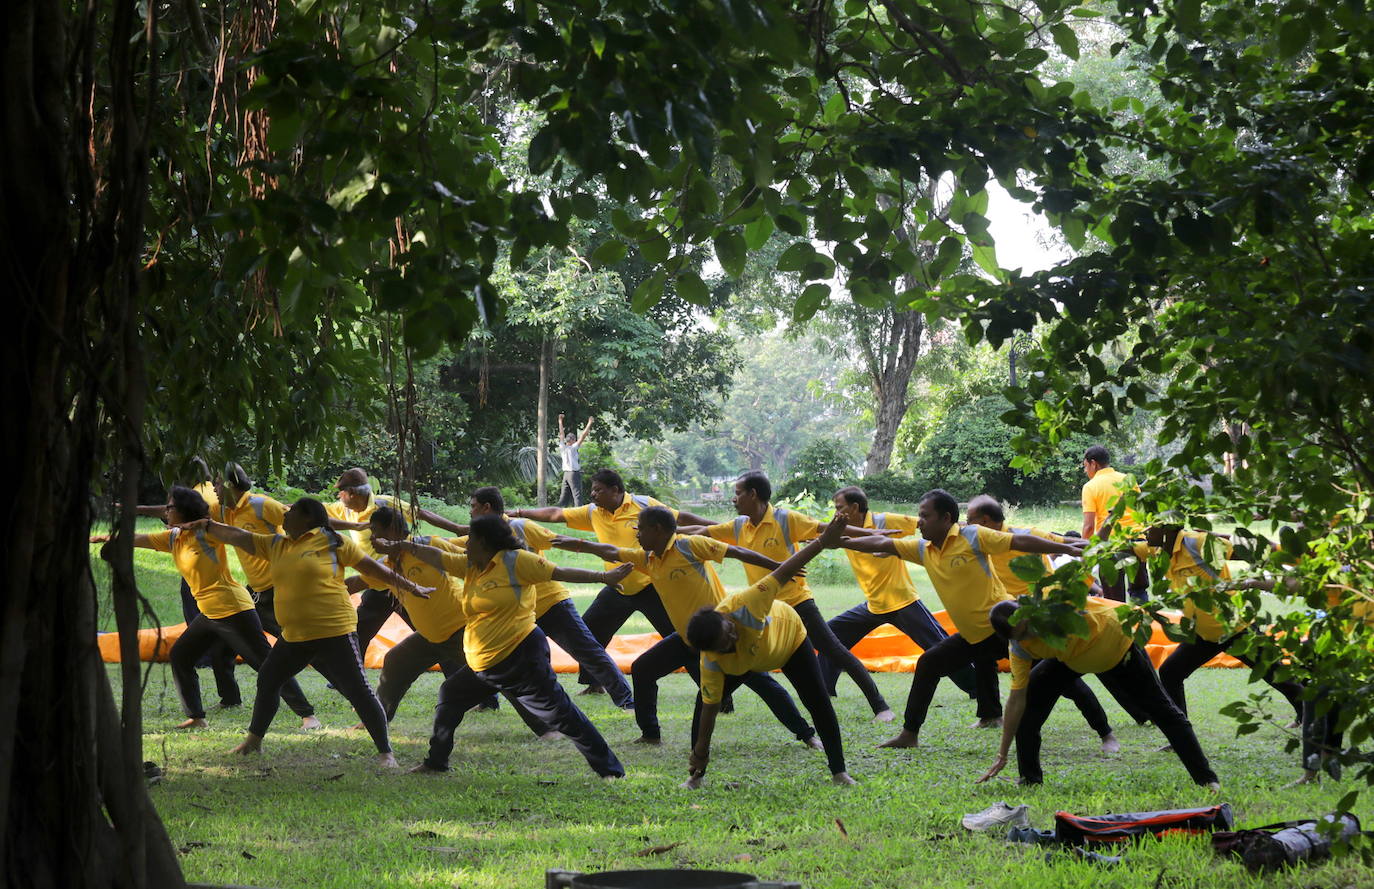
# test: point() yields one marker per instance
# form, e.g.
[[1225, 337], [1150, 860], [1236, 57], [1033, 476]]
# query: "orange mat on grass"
[[885, 650]]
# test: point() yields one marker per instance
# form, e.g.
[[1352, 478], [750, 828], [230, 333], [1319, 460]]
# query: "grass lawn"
[[313, 811]]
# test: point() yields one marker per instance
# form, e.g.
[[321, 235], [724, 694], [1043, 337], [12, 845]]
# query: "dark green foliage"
[[819, 468], [894, 486]]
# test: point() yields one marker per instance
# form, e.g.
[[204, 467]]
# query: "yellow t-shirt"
[[1198, 558], [498, 602], [1102, 491], [769, 634], [961, 572], [441, 615], [256, 514], [884, 578], [539, 540], [363, 538], [308, 576], [683, 575], [1001, 562], [207, 491], [204, 564], [1103, 648], [777, 535], [616, 528]]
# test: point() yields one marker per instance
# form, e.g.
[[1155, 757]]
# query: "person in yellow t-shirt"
[[351, 511], [755, 631], [958, 562], [1197, 559], [1100, 493], [438, 619], [504, 649], [258, 514], [613, 515], [889, 595], [680, 568], [554, 612], [987, 511], [317, 617], [776, 533], [224, 610], [1106, 650]]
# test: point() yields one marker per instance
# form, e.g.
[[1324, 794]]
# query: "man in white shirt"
[[570, 494]]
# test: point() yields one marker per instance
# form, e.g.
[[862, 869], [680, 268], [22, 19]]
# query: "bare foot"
[[814, 743], [223, 706], [611, 777], [552, 735], [1294, 724], [903, 738], [842, 779], [995, 722], [693, 783], [1308, 777], [251, 744], [1213, 786], [387, 760], [424, 769], [194, 722], [645, 739], [310, 723], [1110, 745], [884, 715], [592, 690], [357, 727], [1167, 748]]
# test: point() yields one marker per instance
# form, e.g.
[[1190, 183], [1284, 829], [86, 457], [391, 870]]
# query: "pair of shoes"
[[999, 814], [1031, 836]]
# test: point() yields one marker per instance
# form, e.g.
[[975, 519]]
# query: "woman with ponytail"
[[318, 621]]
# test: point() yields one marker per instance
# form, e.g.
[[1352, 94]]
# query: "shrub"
[[819, 469]]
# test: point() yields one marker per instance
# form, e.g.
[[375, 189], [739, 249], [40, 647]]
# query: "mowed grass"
[[313, 810]]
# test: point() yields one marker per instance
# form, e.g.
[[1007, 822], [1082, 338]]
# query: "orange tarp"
[[885, 650]]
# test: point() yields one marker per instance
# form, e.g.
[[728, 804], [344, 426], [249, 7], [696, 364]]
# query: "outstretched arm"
[[605, 578], [223, 533], [701, 751], [561, 433], [585, 429], [341, 525], [439, 521], [749, 557], [538, 513], [690, 519], [430, 555], [376, 570], [1029, 543], [872, 544], [830, 537], [604, 551], [1011, 721]]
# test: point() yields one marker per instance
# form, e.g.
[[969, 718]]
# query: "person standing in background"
[[570, 494]]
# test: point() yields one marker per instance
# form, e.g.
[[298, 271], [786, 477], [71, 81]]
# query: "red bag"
[[1088, 829]]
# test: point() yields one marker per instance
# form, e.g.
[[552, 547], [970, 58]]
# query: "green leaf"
[[543, 149], [691, 288], [654, 250], [731, 251], [1293, 36], [584, 205], [648, 293], [796, 257], [986, 258], [757, 233], [609, 253], [1186, 14], [810, 301], [1065, 39]]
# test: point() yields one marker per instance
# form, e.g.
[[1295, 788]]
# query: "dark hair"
[[658, 517], [854, 495], [352, 478], [319, 518], [609, 478], [387, 517], [987, 505], [1000, 617], [189, 503], [943, 501], [1074, 533], [1099, 455], [754, 480], [490, 496], [705, 628], [236, 478], [494, 532]]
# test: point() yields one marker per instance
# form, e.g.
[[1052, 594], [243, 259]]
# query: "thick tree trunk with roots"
[[889, 355], [74, 809]]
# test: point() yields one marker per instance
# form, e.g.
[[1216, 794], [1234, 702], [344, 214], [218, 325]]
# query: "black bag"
[[1118, 828], [1283, 844]]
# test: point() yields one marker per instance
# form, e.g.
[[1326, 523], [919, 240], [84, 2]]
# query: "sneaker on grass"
[[998, 815]]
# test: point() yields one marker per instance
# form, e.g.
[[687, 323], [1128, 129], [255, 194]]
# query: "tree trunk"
[[74, 807], [891, 375], [542, 442]]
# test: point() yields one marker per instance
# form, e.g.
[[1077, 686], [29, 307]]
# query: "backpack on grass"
[[1118, 828]]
